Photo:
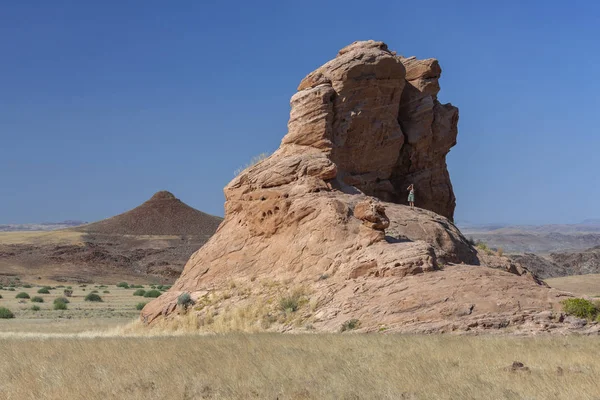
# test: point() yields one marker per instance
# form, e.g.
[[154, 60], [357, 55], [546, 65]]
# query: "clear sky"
[[104, 103]]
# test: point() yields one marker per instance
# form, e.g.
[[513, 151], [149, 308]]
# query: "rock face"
[[321, 219]]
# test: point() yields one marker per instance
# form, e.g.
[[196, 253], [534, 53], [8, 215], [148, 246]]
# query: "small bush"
[[11, 289], [0, 296], [94, 291], [123, 285], [69, 287], [185, 300], [5, 313], [139, 306], [289, 303], [61, 300], [44, 290], [37, 299], [22, 295], [471, 241], [105, 291], [35, 308], [350, 325], [28, 286], [139, 292], [580, 308], [152, 293], [60, 306], [93, 297], [68, 292], [500, 251], [482, 246]]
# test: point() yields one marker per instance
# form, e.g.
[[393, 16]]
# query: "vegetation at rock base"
[[581, 308], [139, 292], [152, 293]]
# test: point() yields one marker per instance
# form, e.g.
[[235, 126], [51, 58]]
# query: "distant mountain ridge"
[[42, 226]]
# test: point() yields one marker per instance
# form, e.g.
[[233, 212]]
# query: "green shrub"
[[69, 287], [5, 313], [27, 286], [11, 289], [44, 290], [152, 293], [22, 295], [482, 246], [35, 308], [61, 300], [139, 292], [37, 299], [123, 285], [0, 296], [93, 297], [60, 306], [139, 306], [289, 303], [350, 325], [580, 308], [165, 287], [185, 300], [94, 291], [105, 291]]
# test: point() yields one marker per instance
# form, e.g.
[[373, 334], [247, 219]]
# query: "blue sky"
[[104, 103]]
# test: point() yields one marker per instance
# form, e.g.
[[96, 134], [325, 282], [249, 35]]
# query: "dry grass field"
[[588, 285], [308, 366], [95, 351]]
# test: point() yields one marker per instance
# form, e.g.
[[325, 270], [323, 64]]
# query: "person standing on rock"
[[411, 196]]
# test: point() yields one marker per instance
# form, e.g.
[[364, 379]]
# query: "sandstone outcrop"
[[322, 221]]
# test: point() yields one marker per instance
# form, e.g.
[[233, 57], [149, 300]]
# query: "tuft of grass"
[[35, 308], [93, 297], [290, 303], [22, 295], [581, 308], [139, 306], [350, 325], [105, 291], [139, 292], [44, 290], [5, 313], [0, 296], [37, 299], [500, 251]]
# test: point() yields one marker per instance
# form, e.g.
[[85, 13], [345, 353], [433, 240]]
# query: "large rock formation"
[[318, 219]]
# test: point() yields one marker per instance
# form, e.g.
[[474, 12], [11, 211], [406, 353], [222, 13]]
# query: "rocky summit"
[[318, 236]]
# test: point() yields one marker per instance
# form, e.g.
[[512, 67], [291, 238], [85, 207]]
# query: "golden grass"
[[588, 285], [41, 237], [275, 366]]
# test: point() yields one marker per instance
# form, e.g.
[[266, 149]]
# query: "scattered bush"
[[152, 293], [185, 300], [11, 289], [27, 286], [139, 292], [123, 285], [350, 325], [61, 300], [37, 299], [139, 306], [0, 296], [5, 313], [44, 290], [35, 308], [289, 303], [60, 306], [69, 287], [482, 246], [105, 291], [93, 297], [581, 308], [22, 295], [68, 292]]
